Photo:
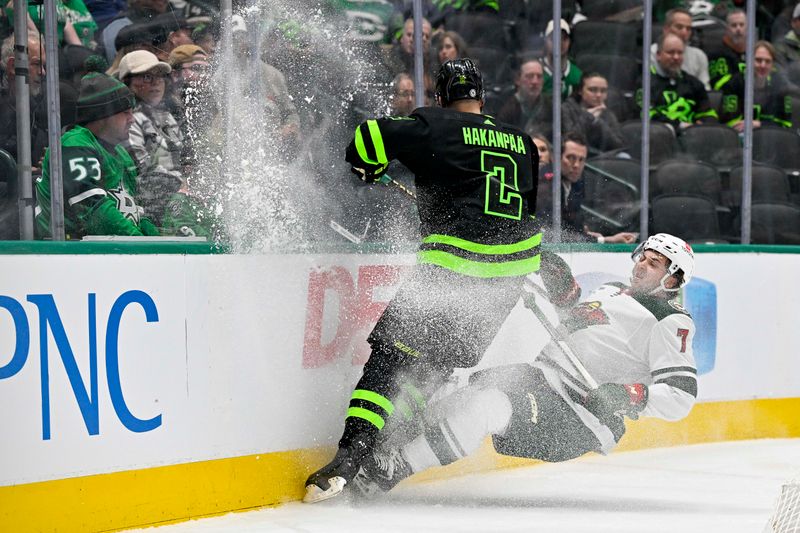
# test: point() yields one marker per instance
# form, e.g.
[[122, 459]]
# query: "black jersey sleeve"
[[378, 141]]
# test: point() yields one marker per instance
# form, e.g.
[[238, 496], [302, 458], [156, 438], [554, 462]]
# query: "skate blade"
[[315, 494]]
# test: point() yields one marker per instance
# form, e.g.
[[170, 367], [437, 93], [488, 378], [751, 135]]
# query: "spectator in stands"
[[104, 11], [528, 108], [190, 68], [205, 35], [544, 148], [38, 105], [573, 161], [186, 215], [99, 176], [571, 73], [74, 63], [155, 139], [138, 36], [788, 48], [585, 112], [400, 56], [679, 22], [189, 99], [175, 31], [726, 58], [451, 46], [138, 11], [678, 98], [74, 22], [544, 191], [402, 100], [268, 97], [782, 22], [159, 36], [772, 93]]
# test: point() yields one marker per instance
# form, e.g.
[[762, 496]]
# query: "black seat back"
[[775, 223], [769, 184], [715, 144], [680, 176], [604, 37], [692, 217], [663, 144]]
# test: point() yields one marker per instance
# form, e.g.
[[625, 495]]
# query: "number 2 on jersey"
[[502, 192]]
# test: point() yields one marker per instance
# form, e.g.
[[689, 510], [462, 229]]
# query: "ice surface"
[[722, 487]]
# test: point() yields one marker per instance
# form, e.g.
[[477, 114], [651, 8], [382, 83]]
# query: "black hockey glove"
[[613, 399], [557, 278], [370, 173]]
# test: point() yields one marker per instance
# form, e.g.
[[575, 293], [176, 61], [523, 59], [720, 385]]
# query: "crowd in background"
[[139, 115]]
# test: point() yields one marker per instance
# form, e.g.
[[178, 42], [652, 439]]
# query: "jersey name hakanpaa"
[[476, 184]]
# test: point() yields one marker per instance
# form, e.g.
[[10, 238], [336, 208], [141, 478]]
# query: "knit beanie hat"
[[101, 96]]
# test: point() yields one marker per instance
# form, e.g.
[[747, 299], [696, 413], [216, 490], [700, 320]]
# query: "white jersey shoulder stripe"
[[86, 194]]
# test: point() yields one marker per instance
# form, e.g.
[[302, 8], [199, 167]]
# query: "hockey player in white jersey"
[[634, 340]]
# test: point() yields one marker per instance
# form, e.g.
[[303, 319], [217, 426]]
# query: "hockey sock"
[[460, 432], [370, 403]]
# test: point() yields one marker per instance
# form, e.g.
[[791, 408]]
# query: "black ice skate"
[[380, 472], [330, 480]]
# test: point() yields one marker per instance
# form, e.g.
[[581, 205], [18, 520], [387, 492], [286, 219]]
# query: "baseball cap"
[[796, 12], [140, 61], [549, 29], [186, 53]]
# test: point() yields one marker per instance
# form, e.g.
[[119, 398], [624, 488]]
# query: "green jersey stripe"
[[485, 249], [377, 141], [477, 268]]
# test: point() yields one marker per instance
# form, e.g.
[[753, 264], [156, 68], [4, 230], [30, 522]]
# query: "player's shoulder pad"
[[661, 308], [428, 113]]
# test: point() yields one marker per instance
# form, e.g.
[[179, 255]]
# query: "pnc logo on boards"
[[51, 327]]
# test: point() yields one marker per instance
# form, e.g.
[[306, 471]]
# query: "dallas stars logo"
[[125, 204]]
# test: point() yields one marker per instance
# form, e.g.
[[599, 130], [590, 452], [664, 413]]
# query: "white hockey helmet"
[[679, 253]]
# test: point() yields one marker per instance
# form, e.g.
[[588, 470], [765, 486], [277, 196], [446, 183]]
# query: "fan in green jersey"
[[99, 176]]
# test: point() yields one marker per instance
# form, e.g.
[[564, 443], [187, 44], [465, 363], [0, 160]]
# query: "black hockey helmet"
[[459, 79]]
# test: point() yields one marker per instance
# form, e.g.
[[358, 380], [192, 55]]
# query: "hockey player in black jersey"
[[476, 182], [633, 340]]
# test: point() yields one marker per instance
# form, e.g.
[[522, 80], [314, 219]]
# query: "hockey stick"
[[529, 300], [388, 180]]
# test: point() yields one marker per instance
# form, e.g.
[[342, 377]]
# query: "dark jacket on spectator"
[[788, 48], [571, 214], [8, 125], [772, 104], [532, 119], [603, 132], [682, 99], [723, 64]]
